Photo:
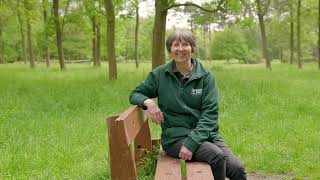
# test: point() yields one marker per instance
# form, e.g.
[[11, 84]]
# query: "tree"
[[20, 9], [98, 37], [161, 11], [319, 34], [298, 35], [28, 7], [58, 33], [202, 20], [3, 19], [46, 41], [1, 43], [261, 9], [228, 44], [278, 32], [110, 39], [92, 12], [94, 40], [145, 38], [136, 40], [131, 9], [291, 33], [1, 38]]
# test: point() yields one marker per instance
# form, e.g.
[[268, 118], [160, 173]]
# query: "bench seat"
[[168, 168], [129, 137]]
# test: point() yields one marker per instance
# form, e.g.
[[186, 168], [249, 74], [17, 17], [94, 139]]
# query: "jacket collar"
[[197, 71]]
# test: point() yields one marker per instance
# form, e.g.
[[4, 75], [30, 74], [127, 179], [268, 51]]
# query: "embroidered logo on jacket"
[[196, 91]]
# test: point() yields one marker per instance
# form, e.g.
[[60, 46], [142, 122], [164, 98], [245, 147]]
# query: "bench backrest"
[[129, 128]]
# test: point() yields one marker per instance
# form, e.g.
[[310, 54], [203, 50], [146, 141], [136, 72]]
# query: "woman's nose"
[[180, 47]]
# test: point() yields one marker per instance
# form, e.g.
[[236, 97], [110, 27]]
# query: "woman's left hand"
[[185, 153]]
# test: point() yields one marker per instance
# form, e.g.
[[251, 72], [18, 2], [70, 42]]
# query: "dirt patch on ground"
[[257, 176]]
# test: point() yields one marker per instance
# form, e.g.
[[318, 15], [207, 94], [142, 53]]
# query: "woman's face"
[[181, 51]]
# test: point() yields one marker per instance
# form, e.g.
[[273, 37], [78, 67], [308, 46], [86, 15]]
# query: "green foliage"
[[149, 164], [10, 40], [77, 31], [125, 28], [228, 44], [234, 5], [202, 18], [277, 32], [252, 35], [253, 57], [247, 22], [11, 55]]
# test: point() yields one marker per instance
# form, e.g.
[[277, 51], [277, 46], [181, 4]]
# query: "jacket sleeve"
[[147, 89], [208, 120]]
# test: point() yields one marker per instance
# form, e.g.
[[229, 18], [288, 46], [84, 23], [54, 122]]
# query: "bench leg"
[[121, 160]]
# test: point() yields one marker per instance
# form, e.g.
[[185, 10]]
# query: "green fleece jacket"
[[190, 110]]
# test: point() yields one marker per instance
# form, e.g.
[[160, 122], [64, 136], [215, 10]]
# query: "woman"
[[187, 109]]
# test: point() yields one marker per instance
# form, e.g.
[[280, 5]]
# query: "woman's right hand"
[[154, 111]]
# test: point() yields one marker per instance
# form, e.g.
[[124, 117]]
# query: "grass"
[[52, 123]]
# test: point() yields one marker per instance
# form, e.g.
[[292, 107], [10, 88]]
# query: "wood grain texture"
[[199, 171], [168, 168]]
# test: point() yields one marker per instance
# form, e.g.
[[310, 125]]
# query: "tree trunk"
[[30, 48], [126, 53], [291, 33], [58, 33], [209, 43], [98, 36], [23, 41], [319, 35], [45, 19], [159, 32], [280, 54], [136, 40], [98, 44], [298, 35], [197, 53], [1, 41], [110, 39], [94, 41], [264, 42], [1, 45], [206, 46]]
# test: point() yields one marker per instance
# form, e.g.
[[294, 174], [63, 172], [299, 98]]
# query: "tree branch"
[[65, 12], [247, 8], [197, 6]]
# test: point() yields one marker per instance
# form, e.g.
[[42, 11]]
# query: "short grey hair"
[[185, 35]]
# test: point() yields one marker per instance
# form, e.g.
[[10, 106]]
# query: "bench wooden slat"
[[199, 171], [167, 168], [133, 121]]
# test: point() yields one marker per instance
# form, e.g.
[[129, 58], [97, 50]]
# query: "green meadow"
[[52, 123]]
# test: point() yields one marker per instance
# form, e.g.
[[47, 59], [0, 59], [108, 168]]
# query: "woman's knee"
[[210, 153]]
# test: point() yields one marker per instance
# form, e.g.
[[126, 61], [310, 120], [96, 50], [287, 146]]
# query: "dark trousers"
[[223, 163]]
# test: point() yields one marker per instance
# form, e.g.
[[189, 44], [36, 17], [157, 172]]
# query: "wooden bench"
[[129, 138]]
